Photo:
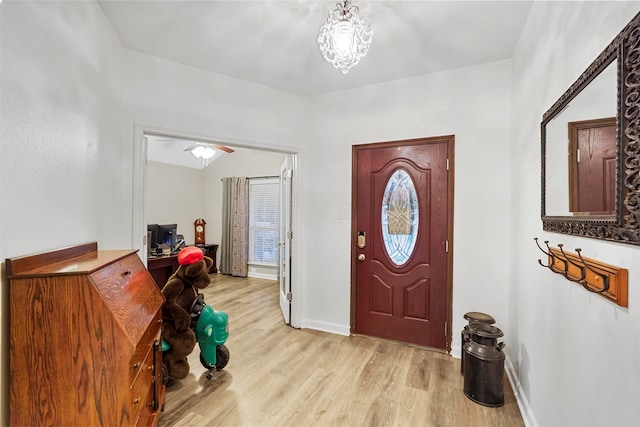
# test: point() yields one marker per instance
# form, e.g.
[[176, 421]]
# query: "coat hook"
[[583, 271], [565, 266], [605, 278], [548, 254], [608, 281]]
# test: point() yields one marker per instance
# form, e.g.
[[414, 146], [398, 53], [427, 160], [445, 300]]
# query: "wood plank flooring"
[[280, 376]]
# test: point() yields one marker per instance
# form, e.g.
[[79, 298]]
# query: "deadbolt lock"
[[362, 239]]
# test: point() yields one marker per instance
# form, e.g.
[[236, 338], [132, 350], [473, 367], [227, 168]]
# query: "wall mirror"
[[591, 148]]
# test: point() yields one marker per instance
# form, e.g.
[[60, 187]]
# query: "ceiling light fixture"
[[203, 152], [345, 38]]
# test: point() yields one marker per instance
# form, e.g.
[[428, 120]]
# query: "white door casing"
[[286, 235]]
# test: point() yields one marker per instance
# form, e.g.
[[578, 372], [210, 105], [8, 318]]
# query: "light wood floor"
[[280, 376]]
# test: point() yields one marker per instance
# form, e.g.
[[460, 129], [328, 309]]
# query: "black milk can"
[[471, 317], [484, 365]]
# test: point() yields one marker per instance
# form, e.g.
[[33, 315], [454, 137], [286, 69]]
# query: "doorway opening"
[[168, 190]]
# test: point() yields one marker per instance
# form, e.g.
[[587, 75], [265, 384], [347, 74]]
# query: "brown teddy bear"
[[180, 293]]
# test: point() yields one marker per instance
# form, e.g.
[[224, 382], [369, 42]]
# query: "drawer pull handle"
[[136, 400], [126, 273], [135, 365]]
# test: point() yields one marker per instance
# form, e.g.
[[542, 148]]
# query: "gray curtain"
[[234, 244]]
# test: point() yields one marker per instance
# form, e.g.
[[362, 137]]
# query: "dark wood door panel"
[[592, 166], [404, 296]]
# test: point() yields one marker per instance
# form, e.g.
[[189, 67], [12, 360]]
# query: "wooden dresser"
[[85, 339]]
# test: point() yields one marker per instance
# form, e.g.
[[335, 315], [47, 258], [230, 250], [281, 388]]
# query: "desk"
[[210, 250], [162, 267]]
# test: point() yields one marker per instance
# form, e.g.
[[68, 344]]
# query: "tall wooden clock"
[[198, 227]]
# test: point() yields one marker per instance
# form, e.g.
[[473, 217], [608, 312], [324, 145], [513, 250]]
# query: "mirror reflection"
[[591, 155], [581, 151]]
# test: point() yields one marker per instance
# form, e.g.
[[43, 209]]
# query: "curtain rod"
[[258, 177], [263, 177]]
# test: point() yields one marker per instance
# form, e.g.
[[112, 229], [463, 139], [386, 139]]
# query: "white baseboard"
[[523, 403], [456, 352], [263, 275], [332, 328]]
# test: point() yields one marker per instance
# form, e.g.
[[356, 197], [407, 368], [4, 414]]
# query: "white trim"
[[262, 275], [456, 352], [296, 255], [263, 264], [138, 203], [332, 328], [523, 403]]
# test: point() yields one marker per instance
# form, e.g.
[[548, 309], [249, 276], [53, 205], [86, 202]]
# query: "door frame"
[[139, 194], [285, 233], [450, 141]]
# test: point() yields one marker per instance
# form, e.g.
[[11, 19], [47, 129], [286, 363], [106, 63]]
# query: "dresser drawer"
[[146, 344], [147, 416], [142, 387]]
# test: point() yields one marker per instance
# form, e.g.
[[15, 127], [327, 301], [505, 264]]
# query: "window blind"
[[264, 217]]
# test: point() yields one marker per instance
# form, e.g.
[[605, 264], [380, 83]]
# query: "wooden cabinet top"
[[81, 259]]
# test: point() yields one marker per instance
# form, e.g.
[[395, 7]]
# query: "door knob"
[[361, 257]]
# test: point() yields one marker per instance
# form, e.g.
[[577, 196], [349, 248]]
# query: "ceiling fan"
[[200, 149], [210, 144], [196, 144]]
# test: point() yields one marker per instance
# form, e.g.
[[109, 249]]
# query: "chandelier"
[[345, 38]]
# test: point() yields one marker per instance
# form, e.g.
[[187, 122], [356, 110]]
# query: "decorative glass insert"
[[400, 217]]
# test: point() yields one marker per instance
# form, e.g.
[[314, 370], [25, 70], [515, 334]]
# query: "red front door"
[[401, 237]]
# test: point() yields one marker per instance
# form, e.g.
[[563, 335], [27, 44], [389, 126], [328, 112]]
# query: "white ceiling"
[[273, 43]]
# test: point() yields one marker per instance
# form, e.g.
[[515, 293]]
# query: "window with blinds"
[[264, 216]]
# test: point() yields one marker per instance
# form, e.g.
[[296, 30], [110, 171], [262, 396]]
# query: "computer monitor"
[[167, 234], [152, 236]]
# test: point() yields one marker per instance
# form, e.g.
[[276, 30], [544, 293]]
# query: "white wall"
[[471, 103], [175, 195], [63, 177], [166, 94], [576, 353]]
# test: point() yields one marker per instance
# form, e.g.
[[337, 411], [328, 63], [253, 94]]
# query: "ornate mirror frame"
[[624, 226]]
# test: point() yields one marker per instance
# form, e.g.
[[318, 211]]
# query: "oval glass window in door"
[[399, 217]]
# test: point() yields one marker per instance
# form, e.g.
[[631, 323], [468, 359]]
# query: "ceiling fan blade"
[[216, 146], [223, 148]]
